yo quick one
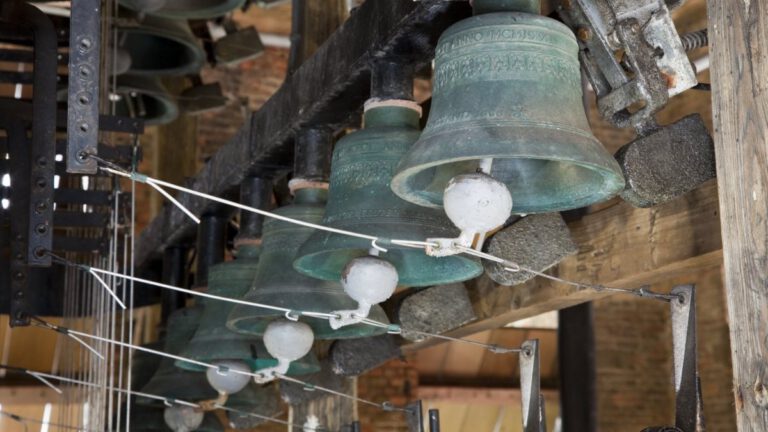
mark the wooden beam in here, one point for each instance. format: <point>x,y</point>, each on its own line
<point>324,91</point>
<point>476,395</point>
<point>738,32</point>
<point>619,246</point>
<point>31,395</point>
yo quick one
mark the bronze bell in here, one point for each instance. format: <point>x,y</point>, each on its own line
<point>360,200</point>
<point>213,341</point>
<point>254,399</point>
<point>145,98</point>
<point>161,47</point>
<point>278,284</point>
<point>507,90</point>
<point>170,381</point>
<point>183,9</point>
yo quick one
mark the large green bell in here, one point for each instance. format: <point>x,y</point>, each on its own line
<point>213,341</point>
<point>170,381</point>
<point>254,399</point>
<point>507,87</point>
<point>145,98</point>
<point>161,46</point>
<point>278,284</point>
<point>360,200</point>
<point>183,9</point>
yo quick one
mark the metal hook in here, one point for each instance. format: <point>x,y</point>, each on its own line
<point>374,245</point>
<point>292,316</point>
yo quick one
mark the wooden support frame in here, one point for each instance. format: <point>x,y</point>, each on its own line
<point>324,91</point>
<point>738,32</point>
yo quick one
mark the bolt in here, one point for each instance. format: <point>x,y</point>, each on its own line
<point>41,207</point>
<point>19,237</point>
<point>42,161</point>
<point>19,275</point>
<point>584,34</point>
<point>19,256</point>
<point>41,229</point>
<point>41,183</point>
<point>19,294</point>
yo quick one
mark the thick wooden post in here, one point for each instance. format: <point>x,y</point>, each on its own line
<point>738,32</point>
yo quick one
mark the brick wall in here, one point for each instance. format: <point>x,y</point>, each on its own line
<point>395,382</point>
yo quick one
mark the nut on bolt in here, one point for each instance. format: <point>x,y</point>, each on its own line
<point>584,34</point>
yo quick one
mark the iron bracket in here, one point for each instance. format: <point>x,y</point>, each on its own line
<point>688,401</point>
<point>83,93</point>
<point>653,65</point>
<point>530,387</point>
<point>414,417</point>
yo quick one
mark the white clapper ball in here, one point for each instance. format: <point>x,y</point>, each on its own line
<point>369,280</point>
<point>228,382</point>
<point>477,203</point>
<point>288,340</point>
<point>182,418</point>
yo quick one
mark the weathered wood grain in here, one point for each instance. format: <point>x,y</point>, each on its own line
<point>738,32</point>
<point>619,246</point>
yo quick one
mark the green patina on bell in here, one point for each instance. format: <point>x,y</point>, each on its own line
<point>144,365</point>
<point>507,87</point>
<point>213,341</point>
<point>278,284</point>
<point>161,46</point>
<point>146,98</point>
<point>170,381</point>
<point>254,399</point>
<point>360,200</point>
<point>184,9</point>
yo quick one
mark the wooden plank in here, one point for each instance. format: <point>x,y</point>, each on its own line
<point>476,395</point>
<point>324,91</point>
<point>619,246</point>
<point>738,33</point>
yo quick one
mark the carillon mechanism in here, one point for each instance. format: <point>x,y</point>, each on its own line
<point>360,199</point>
<point>402,218</point>
<point>288,288</point>
<point>500,77</point>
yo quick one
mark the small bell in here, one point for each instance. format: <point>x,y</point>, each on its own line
<point>145,98</point>
<point>507,96</point>
<point>277,284</point>
<point>263,401</point>
<point>170,381</point>
<point>161,47</point>
<point>213,342</point>
<point>360,200</point>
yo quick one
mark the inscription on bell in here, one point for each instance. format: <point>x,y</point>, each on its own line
<point>508,66</point>
<point>499,34</point>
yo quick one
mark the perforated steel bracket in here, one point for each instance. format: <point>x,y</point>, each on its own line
<point>83,93</point>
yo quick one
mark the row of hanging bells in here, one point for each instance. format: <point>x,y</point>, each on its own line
<point>507,88</point>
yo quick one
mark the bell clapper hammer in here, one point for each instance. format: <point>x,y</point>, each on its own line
<point>287,341</point>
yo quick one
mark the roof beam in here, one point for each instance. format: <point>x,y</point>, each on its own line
<point>324,92</point>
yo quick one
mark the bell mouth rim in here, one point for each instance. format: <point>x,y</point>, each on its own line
<point>415,161</point>
<point>303,264</point>
<point>613,184</point>
<point>210,12</point>
<point>196,53</point>
<point>253,325</point>
<point>163,98</point>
